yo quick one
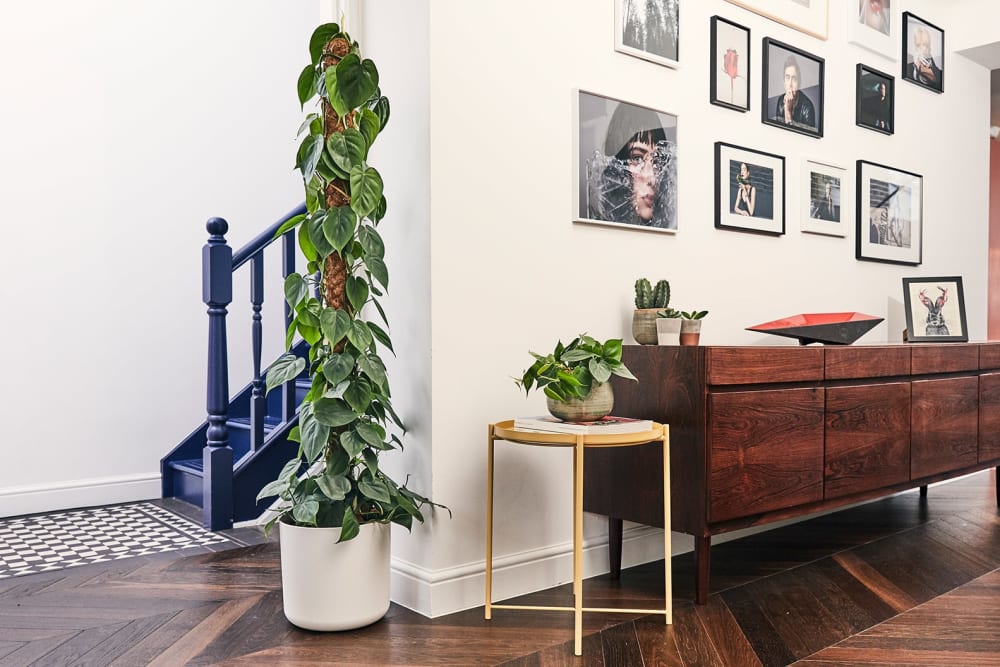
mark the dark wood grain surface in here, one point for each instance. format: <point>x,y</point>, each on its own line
<point>989,416</point>
<point>849,362</point>
<point>765,364</point>
<point>944,358</point>
<point>945,425</point>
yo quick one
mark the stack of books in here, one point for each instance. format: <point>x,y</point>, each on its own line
<point>606,425</point>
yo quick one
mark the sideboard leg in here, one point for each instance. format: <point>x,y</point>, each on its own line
<point>615,527</point>
<point>702,561</point>
<point>923,491</point>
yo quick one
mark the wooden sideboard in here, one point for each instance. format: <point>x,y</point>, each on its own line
<point>764,433</point>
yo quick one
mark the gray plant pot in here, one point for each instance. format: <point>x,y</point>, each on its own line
<point>598,403</point>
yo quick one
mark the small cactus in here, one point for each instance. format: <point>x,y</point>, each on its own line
<point>647,296</point>
<point>643,294</point>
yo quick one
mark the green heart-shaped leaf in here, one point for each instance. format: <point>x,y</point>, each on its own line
<point>366,189</point>
<point>348,148</point>
<point>357,80</point>
<point>338,226</point>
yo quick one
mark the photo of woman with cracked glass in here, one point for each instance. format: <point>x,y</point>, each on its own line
<point>627,164</point>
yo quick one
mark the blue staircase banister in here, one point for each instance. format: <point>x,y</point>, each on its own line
<point>219,263</point>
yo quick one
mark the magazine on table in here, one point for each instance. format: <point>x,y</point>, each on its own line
<point>607,425</point>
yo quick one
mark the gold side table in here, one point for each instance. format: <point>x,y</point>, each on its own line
<point>505,431</point>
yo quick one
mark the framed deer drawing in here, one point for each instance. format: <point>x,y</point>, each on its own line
<point>935,310</point>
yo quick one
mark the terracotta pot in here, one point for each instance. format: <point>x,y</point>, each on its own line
<point>598,403</point>
<point>690,332</point>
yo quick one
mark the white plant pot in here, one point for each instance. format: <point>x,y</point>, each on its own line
<point>328,586</point>
<point>668,330</point>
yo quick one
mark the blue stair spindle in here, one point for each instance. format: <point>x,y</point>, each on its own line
<point>289,399</point>
<point>217,293</point>
<point>258,409</point>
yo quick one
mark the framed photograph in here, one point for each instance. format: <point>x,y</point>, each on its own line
<point>626,164</point>
<point>875,100</point>
<point>890,214</point>
<point>923,53</point>
<point>648,29</point>
<point>730,65</point>
<point>808,16</point>
<point>792,90</point>
<point>749,190</point>
<point>870,24</point>
<point>935,310</point>
<point>824,199</point>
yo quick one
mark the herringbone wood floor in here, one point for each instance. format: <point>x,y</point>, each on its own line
<point>901,581</point>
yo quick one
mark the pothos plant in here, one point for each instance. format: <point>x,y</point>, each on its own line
<point>335,479</point>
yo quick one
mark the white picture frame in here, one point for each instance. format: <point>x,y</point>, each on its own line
<point>652,38</point>
<point>611,187</point>
<point>873,25</point>
<point>819,215</point>
<point>811,17</point>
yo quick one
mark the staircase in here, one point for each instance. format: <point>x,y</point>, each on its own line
<point>243,443</point>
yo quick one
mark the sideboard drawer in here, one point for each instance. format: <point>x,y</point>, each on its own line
<point>944,358</point>
<point>849,362</point>
<point>761,365</point>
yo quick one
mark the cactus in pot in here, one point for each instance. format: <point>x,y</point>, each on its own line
<point>649,300</point>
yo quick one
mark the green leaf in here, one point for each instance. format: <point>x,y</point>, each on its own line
<point>379,211</point>
<point>317,235</point>
<point>339,225</point>
<point>333,412</point>
<point>352,443</point>
<point>314,438</point>
<point>309,334</point>
<point>371,461</point>
<point>321,35</point>
<point>286,368</point>
<point>306,244</point>
<point>371,241</point>
<point>348,148</point>
<point>305,512</point>
<point>357,80</point>
<point>374,488</point>
<point>307,315</point>
<point>379,270</point>
<point>295,435</point>
<point>570,356</point>
<point>359,335</point>
<point>272,489</point>
<point>339,461</point>
<point>373,434</point>
<point>372,366</point>
<point>335,324</point>
<point>623,372</point>
<point>358,396</point>
<point>599,370</point>
<point>296,289</point>
<point>369,125</point>
<point>380,335</point>
<point>337,367</point>
<point>307,85</point>
<point>333,93</point>
<point>334,487</point>
<point>366,189</point>
<point>308,156</point>
<point>357,292</point>
<point>613,349</point>
<point>349,527</point>
<point>381,110</point>
<point>289,224</point>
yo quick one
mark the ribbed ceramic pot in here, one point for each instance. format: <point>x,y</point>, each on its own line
<point>328,586</point>
<point>644,325</point>
<point>598,403</point>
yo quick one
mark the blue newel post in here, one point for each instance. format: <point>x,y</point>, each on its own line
<point>217,293</point>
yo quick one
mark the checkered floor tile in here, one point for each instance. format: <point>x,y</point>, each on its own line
<point>29,545</point>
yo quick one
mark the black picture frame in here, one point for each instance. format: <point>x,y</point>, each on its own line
<point>932,77</point>
<point>730,33</point>
<point>763,210</point>
<point>936,313</point>
<point>807,114</point>
<point>890,219</point>
<point>874,110</point>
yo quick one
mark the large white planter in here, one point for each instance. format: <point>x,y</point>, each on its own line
<point>329,586</point>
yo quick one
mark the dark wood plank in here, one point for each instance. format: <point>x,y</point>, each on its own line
<point>726,635</point>
<point>657,642</point>
<point>950,358</point>
<point>989,416</point>
<point>989,356</point>
<point>766,364</point>
<point>850,362</point>
<point>944,426</point>
<point>765,451</point>
<point>867,437</point>
<point>620,646</point>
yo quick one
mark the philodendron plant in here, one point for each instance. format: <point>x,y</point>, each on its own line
<point>335,479</point>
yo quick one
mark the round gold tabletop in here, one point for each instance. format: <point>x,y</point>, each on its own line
<point>505,431</point>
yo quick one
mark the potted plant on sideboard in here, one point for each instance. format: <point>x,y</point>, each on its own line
<point>335,503</point>
<point>575,377</point>
<point>649,301</point>
<point>691,326</point>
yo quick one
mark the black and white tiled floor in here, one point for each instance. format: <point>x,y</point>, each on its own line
<point>43,543</point>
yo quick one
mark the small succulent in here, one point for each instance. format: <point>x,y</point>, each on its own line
<point>670,312</point>
<point>694,314</point>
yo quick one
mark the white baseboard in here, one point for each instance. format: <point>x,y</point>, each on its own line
<point>20,500</point>
<point>436,593</point>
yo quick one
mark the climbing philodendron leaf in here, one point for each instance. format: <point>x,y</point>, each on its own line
<point>338,226</point>
<point>357,292</point>
<point>320,37</point>
<point>357,80</point>
<point>337,367</point>
<point>335,324</point>
<point>333,412</point>
<point>366,189</point>
<point>283,370</point>
<point>381,110</point>
<point>369,125</point>
<point>333,92</point>
<point>348,148</point>
<point>295,289</point>
<point>314,437</point>
<point>307,85</point>
<point>309,153</point>
<point>334,487</point>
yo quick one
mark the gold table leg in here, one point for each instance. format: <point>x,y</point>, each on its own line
<point>667,550</point>
<point>489,525</point>
<point>578,547</point>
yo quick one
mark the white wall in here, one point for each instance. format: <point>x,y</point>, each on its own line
<point>510,272</point>
<point>125,126</point>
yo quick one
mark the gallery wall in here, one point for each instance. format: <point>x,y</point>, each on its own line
<point>510,272</point>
